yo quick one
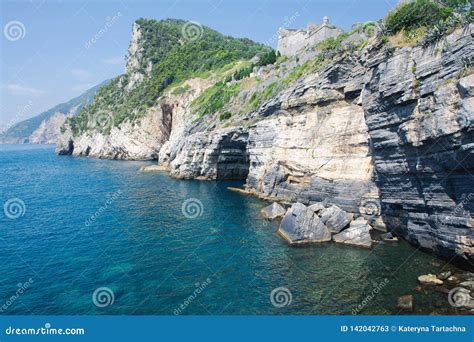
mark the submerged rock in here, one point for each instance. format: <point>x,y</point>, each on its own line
<point>444,275</point>
<point>272,211</point>
<point>405,303</point>
<point>388,237</point>
<point>153,168</point>
<point>358,234</point>
<point>300,224</point>
<point>469,284</point>
<point>335,218</point>
<point>429,279</point>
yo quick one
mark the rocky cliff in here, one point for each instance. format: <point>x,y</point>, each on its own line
<point>45,127</point>
<point>383,132</point>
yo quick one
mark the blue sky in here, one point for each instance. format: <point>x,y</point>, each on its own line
<point>50,58</point>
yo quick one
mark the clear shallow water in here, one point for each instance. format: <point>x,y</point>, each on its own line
<point>153,258</point>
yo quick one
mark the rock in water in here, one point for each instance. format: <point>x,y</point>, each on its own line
<point>300,224</point>
<point>429,279</point>
<point>335,218</point>
<point>273,211</point>
<point>358,234</point>
<point>405,303</point>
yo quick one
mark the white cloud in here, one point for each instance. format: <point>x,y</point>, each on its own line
<point>118,60</point>
<point>20,90</point>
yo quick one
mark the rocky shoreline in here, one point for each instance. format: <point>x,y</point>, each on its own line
<point>383,134</point>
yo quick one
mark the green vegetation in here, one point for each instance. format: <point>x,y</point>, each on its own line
<point>225,116</point>
<point>267,58</point>
<point>214,98</point>
<point>243,72</point>
<point>180,90</point>
<point>414,14</point>
<point>174,60</point>
<point>424,22</point>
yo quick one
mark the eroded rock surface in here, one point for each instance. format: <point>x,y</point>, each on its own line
<point>301,225</point>
<point>273,211</point>
<point>358,234</point>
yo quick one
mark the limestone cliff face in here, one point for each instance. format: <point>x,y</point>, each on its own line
<point>386,134</point>
<point>140,140</point>
<point>383,133</point>
<point>48,131</point>
<point>419,111</point>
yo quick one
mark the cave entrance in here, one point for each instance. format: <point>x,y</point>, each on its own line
<point>167,119</point>
<point>233,162</point>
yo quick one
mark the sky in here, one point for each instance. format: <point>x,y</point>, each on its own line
<point>54,50</point>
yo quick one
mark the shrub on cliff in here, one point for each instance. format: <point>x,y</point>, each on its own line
<point>413,14</point>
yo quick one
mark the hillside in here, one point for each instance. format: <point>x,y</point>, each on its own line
<point>23,131</point>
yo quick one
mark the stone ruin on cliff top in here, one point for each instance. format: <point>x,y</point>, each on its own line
<point>290,41</point>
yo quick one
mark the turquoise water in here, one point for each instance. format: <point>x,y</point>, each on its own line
<point>89,224</point>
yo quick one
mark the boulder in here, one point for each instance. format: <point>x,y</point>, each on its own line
<point>429,279</point>
<point>466,86</point>
<point>388,237</point>
<point>272,211</point>
<point>469,284</point>
<point>358,234</point>
<point>405,303</point>
<point>300,224</point>
<point>335,218</point>
<point>317,207</point>
<point>444,275</point>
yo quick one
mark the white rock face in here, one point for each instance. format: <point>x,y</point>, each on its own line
<point>49,130</point>
<point>134,56</point>
<point>139,141</point>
